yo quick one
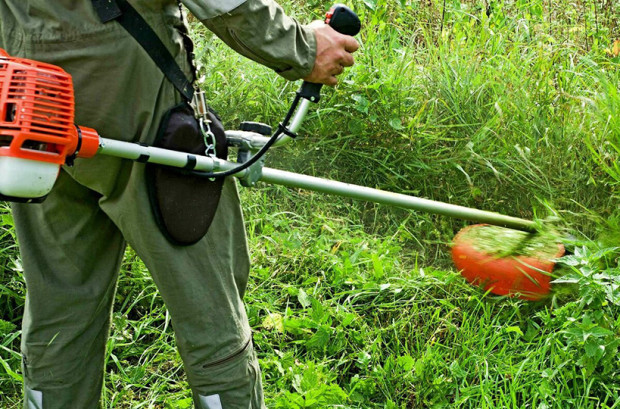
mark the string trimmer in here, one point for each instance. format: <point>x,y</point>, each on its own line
<point>38,136</point>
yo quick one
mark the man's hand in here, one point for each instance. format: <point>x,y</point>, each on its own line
<point>333,53</point>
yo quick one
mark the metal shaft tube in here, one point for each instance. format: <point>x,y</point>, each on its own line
<point>176,159</point>
<point>280,177</point>
<point>149,154</point>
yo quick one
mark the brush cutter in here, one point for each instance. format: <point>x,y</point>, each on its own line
<point>38,136</point>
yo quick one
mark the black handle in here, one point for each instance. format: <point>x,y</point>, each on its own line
<point>343,20</point>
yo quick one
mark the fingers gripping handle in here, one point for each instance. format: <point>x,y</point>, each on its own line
<point>343,20</point>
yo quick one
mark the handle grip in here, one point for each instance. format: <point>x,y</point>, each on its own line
<point>343,20</point>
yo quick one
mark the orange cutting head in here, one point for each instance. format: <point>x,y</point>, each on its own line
<point>526,275</point>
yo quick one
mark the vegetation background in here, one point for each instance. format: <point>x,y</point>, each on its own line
<point>511,106</point>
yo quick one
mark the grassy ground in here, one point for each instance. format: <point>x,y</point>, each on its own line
<point>511,107</point>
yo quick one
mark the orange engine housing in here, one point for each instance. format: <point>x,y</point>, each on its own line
<point>36,111</point>
<point>37,129</point>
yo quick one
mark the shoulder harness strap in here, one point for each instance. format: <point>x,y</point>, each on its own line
<point>134,23</point>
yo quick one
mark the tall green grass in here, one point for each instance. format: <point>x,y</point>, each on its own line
<point>494,113</point>
<point>512,107</point>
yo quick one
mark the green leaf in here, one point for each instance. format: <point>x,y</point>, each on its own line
<point>536,10</point>
<point>598,332</point>
<point>320,338</point>
<point>318,313</point>
<point>362,103</point>
<point>364,358</point>
<point>186,403</point>
<point>348,319</point>
<point>594,349</point>
<point>9,371</point>
<point>304,299</point>
<point>377,266</point>
<point>514,329</point>
<point>571,260</point>
<point>406,362</point>
<point>457,371</point>
<point>371,4</point>
<point>6,327</point>
<point>396,124</point>
<point>7,219</point>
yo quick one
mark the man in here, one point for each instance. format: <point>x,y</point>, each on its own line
<point>72,244</point>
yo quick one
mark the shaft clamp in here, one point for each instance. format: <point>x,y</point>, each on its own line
<point>254,172</point>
